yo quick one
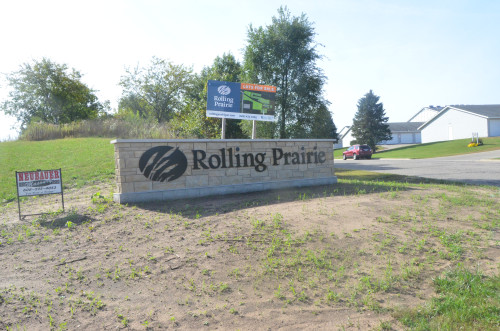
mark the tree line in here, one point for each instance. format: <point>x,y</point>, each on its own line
<point>283,54</point>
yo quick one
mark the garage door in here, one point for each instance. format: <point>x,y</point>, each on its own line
<point>494,128</point>
<point>407,138</point>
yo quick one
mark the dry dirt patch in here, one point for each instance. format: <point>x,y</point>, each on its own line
<point>338,257</point>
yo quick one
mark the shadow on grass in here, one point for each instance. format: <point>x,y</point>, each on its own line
<point>350,183</point>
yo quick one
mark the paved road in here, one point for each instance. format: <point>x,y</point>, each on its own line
<point>476,168</point>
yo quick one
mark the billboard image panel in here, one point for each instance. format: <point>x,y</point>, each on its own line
<point>223,97</point>
<point>241,101</point>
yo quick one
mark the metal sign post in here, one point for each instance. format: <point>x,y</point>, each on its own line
<point>223,133</point>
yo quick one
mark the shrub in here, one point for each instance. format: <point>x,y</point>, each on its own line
<point>128,127</point>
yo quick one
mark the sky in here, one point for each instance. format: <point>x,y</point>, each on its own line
<point>412,54</point>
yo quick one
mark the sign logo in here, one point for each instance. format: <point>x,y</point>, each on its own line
<point>224,90</point>
<point>163,163</point>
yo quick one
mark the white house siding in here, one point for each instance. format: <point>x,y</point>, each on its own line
<point>403,138</point>
<point>426,114</point>
<point>341,141</point>
<point>494,127</point>
<point>454,124</point>
<point>347,139</point>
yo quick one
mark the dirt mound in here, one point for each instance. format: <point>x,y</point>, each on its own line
<point>335,257</point>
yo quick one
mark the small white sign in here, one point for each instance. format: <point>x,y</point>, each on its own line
<point>39,182</point>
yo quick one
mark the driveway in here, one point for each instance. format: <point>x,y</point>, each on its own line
<point>476,168</point>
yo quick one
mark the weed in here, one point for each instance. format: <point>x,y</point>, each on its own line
<point>331,296</point>
<point>123,320</point>
<point>386,325</point>
<point>467,300</point>
<point>235,273</point>
<point>278,293</point>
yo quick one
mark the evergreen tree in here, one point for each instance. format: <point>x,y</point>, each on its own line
<point>369,123</point>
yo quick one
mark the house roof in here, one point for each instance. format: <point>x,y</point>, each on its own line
<point>485,111</point>
<point>345,130</point>
<point>433,109</point>
<point>489,111</point>
<point>404,126</point>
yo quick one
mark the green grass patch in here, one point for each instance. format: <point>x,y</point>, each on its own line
<point>436,149</point>
<point>82,160</point>
<point>372,178</point>
<point>467,301</point>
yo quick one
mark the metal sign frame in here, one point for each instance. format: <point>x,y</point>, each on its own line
<point>35,194</point>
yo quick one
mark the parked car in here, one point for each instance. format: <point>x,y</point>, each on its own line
<point>357,152</point>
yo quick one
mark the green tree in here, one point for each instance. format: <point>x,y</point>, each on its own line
<point>157,91</point>
<point>369,123</point>
<point>49,92</point>
<point>322,124</point>
<point>284,54</point>
<point>228,69</point>
<point>193,119</point>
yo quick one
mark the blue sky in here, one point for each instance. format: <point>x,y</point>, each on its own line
<point>410,53</point>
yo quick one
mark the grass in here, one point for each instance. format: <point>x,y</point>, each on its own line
<point>82,160</point>
<point>444,148</point>
<point>467,300</point>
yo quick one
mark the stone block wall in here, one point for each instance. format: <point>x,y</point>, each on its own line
<point>155,169</point>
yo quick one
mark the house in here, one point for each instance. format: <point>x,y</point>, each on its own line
<point>426,114</point>
<point>345,138</point>
<point>403,133</point>
<point>408,132</point>
<point>436,123</point>
<point>462,121</point>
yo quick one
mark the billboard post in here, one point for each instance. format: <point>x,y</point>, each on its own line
<point>223,131</point>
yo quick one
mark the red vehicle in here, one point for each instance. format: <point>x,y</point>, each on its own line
<point>358,152</point>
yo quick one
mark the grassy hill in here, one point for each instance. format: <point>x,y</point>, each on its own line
<point>82,160</point>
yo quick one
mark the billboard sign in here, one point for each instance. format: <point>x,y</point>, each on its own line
<point>240,101</point>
